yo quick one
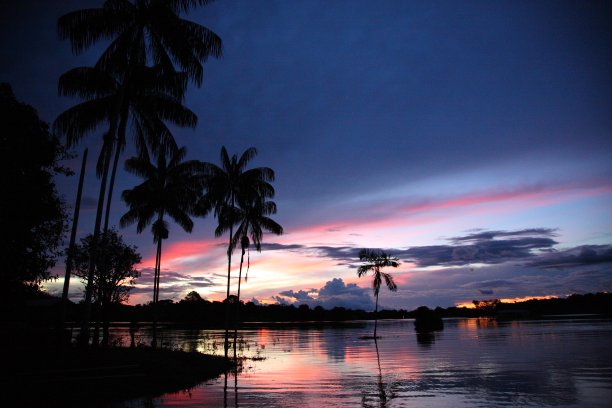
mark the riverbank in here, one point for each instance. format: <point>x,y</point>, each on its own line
<point>71,376</point>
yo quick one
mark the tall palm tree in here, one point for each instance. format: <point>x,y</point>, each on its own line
<point>251,218</point>
<point>374,261</point>
<point>147,95</point>
<point>171,187</point>
<point>143,31</point>
<point>226,185</point>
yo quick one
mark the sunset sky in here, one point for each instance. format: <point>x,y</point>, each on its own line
<point>472,140</point>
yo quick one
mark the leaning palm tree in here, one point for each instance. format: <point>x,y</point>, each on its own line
<point>251,218</point>
<point>143,31</point>
<point>171,187</point>
<point>375,260</point>
<point>226,185</point>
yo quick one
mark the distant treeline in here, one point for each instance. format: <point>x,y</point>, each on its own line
<point>196,311</point>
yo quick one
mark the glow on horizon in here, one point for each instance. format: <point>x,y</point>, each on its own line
<point>300,265</point>
<point>470,305</point>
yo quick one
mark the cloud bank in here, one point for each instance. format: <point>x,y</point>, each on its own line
<point>335,293</point>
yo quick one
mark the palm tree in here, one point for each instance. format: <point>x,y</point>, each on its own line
<point>140,32</point>
<point>147,95</point>
<point>171,187</point>
<point>375,260</point>
<point>143,31</point>
<point>251,219</point>
<point>226,185</point>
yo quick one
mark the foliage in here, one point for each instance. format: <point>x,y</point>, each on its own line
<point>192,296</point>
<point>374,261</point>
<point>143,32</point>
<point>33,216</point>
<point>115,273</point>
<point>226,188</point>
<point>489,305</point>
<point>171,187</point>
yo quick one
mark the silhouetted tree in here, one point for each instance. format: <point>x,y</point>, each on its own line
<point>140,32</point>
<point>192,296</point>
<point>148,96</point>
<point>251,217</point>
<point>115,273</point>
<point>375,260</point>
<point>171,187</point>
<point>33,217</point>
<point>225,186</point>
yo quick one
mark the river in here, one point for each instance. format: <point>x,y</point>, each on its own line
<point>471,363</point>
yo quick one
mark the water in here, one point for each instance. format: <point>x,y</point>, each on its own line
<point>472,363</point>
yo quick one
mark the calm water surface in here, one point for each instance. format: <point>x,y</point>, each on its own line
<point>472,363</point>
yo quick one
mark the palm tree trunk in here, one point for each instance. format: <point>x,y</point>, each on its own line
<point>118,149</point>
<point>238,303</point>
<point>84,334</point>
<point>75,223</point>
<point>375,317</point>
<point>227,312</point>
<point>156,290</point>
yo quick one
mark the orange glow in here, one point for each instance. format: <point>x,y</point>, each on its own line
<point>470,305</point>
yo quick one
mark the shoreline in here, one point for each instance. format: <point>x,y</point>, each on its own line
<point>72,376</point>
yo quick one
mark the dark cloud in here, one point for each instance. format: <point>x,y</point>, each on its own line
<point>300,295</point>
<point>578,256</point>
<point>173,285</point>
<point>270,246</point>
<point>489,247</point>
<point>485,291</point>
<point>490,235</point>
<point>497,283</point>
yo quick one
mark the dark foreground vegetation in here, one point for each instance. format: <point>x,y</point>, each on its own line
<point>68,376</point>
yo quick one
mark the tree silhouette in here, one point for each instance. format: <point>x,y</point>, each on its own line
<point>171,187</point>
<point>141,32</point>
<point>33,216</point>
<point>149,97</point>
<point>226,186</point>
<point>375,260</point>
<point>251,219</point>
<point>115,273</point>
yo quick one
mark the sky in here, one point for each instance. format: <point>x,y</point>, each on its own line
<point>472,140</point>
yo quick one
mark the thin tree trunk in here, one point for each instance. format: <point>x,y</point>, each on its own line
<point>84,334</point>
<point>75,223</point>
<point>155,290</point>
<point>158,271</point>
<point>95,341</point>
<point>227,312</point>
<point>118,149</point>
<point>238,304</point>
<point>375,317</point>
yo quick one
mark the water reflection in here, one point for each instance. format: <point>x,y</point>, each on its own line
<point>426,339</point>
<point>472,363</point>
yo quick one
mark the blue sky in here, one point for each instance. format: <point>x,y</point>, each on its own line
<point>470,139</point>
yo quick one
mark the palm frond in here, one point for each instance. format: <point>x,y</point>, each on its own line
<point>389,282</point>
